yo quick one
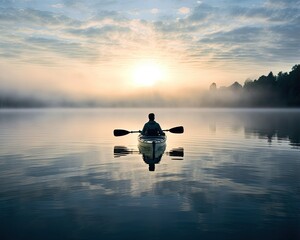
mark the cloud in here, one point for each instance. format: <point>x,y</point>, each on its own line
<point>80,3</point>
<point>265,13</point>
<point>251,33</point>
<point>59,47</point>
<point>184,10</point>
<point>154,10</point>
<point>109,15</point>
<point>203,12</point>
<point>35,17</point>
<point>283,3</point>
<point>28,34</point>
<point>59,5</point>
<point>237,30</point>
<point>93,6</point>
<point>6,3</point>
<point>238,35</point>
<point>287,41</point>
<point>178,27</point>
<point>99,31</point>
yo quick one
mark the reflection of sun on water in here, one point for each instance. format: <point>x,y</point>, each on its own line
<point>147,74</point>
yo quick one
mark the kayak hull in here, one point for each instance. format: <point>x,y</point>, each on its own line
<point>152,147</point>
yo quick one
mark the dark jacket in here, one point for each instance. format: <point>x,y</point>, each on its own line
<point>152,128</point>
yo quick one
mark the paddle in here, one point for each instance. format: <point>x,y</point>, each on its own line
<point>175,130</point>
<point>122,132</point>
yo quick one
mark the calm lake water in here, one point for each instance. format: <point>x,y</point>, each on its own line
<point>233,174</point>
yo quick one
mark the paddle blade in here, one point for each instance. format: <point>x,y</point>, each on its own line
<point>177,152</point>
<point>177,129</point>
<point>120,132</point>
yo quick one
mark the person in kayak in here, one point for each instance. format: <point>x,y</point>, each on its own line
<point>152,128</point>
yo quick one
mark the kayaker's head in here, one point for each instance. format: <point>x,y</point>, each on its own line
<point>151,116</point>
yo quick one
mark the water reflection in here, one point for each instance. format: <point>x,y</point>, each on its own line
<point>150,157</point>
<point>176,153</point>
<point>64,176</point>
<point>283,125</point>
<point>120,151</point>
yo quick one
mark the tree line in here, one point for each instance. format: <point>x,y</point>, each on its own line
<point>282,90</point>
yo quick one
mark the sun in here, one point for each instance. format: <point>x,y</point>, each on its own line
<point>147,74</point>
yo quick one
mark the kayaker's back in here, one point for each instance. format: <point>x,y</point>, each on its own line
<point>152,128</point>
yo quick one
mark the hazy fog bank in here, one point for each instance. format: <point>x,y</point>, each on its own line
<point>282,90</point>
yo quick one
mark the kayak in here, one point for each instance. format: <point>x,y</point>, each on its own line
<point>152,147</point>
<point>158,140</point>
<point>152,142</point>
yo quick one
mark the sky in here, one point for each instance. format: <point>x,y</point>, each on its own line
<point>115,49</point>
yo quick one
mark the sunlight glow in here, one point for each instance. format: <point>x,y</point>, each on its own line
<point>147,74</point>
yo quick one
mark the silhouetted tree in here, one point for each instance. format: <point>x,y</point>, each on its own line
<point>236,86</point>
<point>294,93</point>
<point>213,87</point>
<point>267,91</point>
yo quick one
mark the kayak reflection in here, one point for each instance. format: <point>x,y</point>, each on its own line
<point>152,149</point>
<point>150,155</point>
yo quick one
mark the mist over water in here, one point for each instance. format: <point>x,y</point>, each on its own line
<point>137,97</point>
<point>236,177</point>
